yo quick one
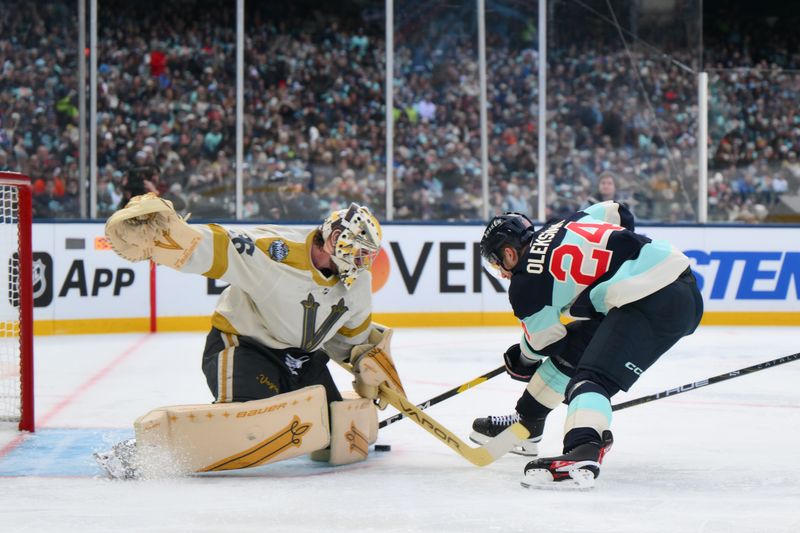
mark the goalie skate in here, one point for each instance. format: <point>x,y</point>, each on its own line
<point>485,429</point>
<point>576,469</point>
<point>120,461</point>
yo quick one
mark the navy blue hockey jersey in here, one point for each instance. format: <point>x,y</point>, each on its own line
<point>583,267</point>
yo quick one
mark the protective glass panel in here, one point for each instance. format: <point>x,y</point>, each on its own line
<point>166,104</point>
<point>512,63</point>
<point>314,137</point>
<point>622,106</point>
<point>754,132</point>
<point>437,128</point>
<point>39,102</point>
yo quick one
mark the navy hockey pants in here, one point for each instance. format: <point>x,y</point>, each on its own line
<point>239,369</point>
<point>615,350</point>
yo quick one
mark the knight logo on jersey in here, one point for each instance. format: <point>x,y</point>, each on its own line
<point>278,250</point>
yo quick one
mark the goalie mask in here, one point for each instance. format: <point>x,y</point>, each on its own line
<point>358,243</point>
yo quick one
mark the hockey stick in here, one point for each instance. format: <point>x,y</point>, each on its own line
<point>445,395</point>
<point>480,456</point>
<point>704,382</point>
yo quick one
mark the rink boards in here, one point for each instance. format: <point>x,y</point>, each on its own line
<point>426,275</point>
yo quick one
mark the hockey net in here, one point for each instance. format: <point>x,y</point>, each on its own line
<point>16,302</point>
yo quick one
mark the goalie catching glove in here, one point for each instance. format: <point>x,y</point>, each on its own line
<point>373,365</point>
<point>149,228</point>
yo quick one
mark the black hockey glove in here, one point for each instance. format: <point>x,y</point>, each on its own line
<point>518,367</point>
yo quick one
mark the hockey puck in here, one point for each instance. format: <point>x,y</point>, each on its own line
<point>383,447</point>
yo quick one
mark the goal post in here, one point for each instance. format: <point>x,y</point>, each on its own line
<point>16,301</point>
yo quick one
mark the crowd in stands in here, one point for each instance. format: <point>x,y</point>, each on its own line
<point>314,127</point>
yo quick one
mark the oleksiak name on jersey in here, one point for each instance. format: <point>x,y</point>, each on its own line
<point>582,267</point>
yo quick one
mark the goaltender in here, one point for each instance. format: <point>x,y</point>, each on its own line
<point>296,298</point>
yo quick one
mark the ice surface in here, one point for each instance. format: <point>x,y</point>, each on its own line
<point>719,459</point>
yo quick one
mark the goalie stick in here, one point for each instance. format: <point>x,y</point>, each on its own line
<point>445,395</point>
<point>480,456</point>
<point>705,382</point>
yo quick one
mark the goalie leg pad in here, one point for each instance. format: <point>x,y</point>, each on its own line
<point>354,426</point>
<point>208,438</point>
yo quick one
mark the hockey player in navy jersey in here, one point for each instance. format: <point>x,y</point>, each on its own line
<point>631,299</point>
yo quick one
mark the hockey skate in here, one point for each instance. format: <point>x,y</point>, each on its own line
<point>576,469</point>
<point>485,429</point>
<point>120,461</point>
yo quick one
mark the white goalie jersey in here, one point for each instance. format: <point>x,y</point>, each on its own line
<point>276,295</point>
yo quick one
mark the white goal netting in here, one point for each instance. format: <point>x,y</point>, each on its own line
<point>10,352</point>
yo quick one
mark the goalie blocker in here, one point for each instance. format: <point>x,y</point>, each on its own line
<point>372,365</point>
<point>210,438</point>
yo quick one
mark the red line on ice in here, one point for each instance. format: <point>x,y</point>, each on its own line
<point>103,372</point>
<point>86,385</point>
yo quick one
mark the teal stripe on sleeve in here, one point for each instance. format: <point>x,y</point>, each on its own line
<point>595,211</point>
<point>542,320</point>
<point>650,255</point>
<point>603,212</point>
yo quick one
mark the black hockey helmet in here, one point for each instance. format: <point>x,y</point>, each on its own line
<point>509,229</point>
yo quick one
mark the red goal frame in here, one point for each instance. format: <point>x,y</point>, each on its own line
<point>25,251</point>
